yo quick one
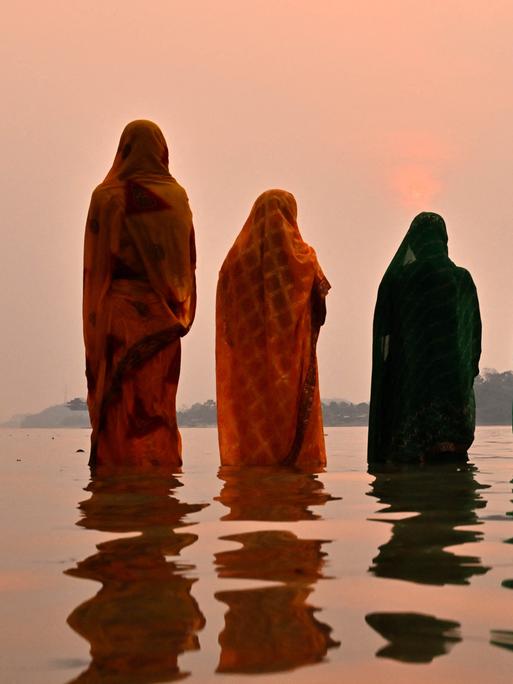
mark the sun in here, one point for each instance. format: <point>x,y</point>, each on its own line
<point>415,185</point>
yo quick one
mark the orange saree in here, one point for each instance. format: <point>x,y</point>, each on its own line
<point>139,300</point>
<point>270,306</point>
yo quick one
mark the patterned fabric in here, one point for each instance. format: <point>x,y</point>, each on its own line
<point>270,306</point>
<point>426,349</point>
<point>139,299</point>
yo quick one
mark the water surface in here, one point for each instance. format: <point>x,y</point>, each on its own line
<point>223,574</point>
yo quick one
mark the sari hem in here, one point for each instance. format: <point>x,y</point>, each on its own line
<point>134,359</point>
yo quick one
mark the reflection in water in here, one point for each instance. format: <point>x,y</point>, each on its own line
<point>441,497</point>
<point>144,616</point>
<point>271,629</point>
<point>273,555</point>
<point>414,638</point>
<point>269,493</point>
<point>501,637</point>
<point>508,583</point>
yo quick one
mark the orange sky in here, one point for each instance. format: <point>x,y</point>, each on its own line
<point>368,112</point>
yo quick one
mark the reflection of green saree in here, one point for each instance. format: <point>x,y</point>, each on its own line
<point>426,349</point>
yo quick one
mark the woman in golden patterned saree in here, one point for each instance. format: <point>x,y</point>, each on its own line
<point>270,306</point>
<point>139,300</point>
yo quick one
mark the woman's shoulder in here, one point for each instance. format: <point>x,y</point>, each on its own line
<point>175,188</point>
<point>465,280</point>
<point>106,191</point>
<point>167,188</point>
<point>463,274</point>
<point>107,197</point>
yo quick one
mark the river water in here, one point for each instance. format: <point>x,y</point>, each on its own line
<point>221,575</point>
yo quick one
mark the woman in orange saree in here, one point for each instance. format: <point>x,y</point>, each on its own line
<point>270,306</point>
<point>139,300</point>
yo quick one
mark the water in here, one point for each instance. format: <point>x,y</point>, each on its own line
<point>216,576</point>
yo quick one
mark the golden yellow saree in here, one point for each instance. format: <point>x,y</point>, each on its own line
<point>270,306</point>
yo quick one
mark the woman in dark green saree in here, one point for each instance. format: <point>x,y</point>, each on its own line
<point>426,349</point>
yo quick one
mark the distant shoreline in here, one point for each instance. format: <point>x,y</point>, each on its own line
<point>212,427</point>
<point>493,392</point>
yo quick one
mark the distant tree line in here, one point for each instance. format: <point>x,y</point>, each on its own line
<point>494,393</point>
<point>334,413</point>
<point>198,415</point>
<point>344,413</point>
<point>493,390</point>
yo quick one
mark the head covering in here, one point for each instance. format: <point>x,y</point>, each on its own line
<point>426,239</point>
<point>269,269</point>
<point>142,151</point>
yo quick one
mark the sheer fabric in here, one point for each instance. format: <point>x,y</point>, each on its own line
<point>270,306</point>
<point>426,349</point>
<point>139,300</point>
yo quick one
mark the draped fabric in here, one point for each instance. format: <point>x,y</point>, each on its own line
<point>426,349</point>
<point>139,300</point>
<point>270,306</point>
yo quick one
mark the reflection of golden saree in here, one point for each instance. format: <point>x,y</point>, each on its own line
<point>270,306</point>
<point>271,493</point>
<point>139,299</point>
<point>272,629</point>
<point>144,616</point>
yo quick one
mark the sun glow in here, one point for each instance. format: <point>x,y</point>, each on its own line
<point>416,185</point>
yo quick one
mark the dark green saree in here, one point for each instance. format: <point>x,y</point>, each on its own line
<point>426,349</point>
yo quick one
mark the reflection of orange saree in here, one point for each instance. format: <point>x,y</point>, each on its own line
<point>277,619</point>
<point>139,299</point>
<point>270,305</point>
<point>144,616</point>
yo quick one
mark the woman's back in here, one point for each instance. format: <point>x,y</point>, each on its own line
<point>139,300</point>
<point>423,374</point>
<point>265,346</point>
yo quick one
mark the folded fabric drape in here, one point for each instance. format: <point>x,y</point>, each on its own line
<point>270,306</point>
<point>139,300</point>
<point>426,350</point>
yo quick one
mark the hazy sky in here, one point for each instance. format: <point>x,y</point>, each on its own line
<point>368,112</point>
